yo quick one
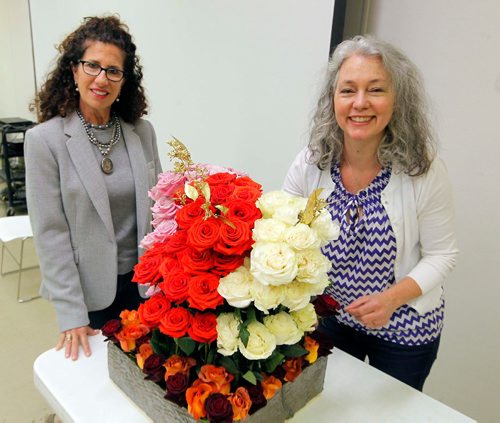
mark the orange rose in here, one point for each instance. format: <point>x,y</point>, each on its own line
<point>145,351</point>
<point>196,396</point>
<point>130,318</point>
<point>218,376</point>
<point>241,403</point>
<point>177,364</point>
<point>312,346</point>
<point>129,334</point>
<point>293,368</point>
<point>270,386</point>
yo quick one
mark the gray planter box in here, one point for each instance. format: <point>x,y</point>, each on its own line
<point>150,397</point>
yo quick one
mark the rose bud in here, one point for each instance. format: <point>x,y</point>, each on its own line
<point>219,409</point>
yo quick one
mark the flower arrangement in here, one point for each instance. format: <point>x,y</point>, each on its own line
<point>231,274</point>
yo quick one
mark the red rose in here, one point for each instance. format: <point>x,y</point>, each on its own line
<point>203,233</point>
<point>176,243</point>
<point>246,181</point>
<point>220,193</point>
<point>243,210</point>
<point>186,215</point>
<point>194,261</point>
<point>220,178</point>
<point>218,408</point>
<point>246,193</point>
<point>148,268</point>
<point>203,327</point>
<point>175,322</point>
<point>152,310</point>
<point>203,292</point>
<point>175,285</point>
<point>235,238</point>
<point>169,264</point>
<point>225,264</point>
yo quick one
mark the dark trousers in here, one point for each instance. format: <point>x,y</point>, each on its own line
<point>127,298</point>
<point>409,364</point>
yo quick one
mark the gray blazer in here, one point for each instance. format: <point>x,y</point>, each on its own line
<point>70,213</point>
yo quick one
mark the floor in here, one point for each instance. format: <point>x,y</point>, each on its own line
<point>27,329</point>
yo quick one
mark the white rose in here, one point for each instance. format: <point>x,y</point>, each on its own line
<point>301,237</point>
<point>325,227</point>
<point>268,230</point>
<point>235,287</point>
<point>270,201</point>
<point>305,318</point>
<point>312,266</point>
<point>273,263</point>
<point>284,328</point>
<point>289,212</point>
<point>297,295</point>
<point>228,329</point>
<point>266,297</point>
<point>261,342</point>
<point>319,287</point>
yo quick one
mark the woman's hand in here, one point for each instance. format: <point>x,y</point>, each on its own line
<point>375,310</point>
<point>73,338</point>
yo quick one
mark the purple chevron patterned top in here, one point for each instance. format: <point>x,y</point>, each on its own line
<point>363,262</point>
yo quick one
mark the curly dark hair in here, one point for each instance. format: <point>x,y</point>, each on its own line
<point>58,96</point>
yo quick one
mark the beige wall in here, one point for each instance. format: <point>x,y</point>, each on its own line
<point>17,79</point>
<point>455,43</point>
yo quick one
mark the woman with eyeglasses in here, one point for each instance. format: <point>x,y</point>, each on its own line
<point>371,149</point>
<point>89,165</point>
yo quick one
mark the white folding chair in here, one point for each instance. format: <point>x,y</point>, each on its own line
<point>16,228</point>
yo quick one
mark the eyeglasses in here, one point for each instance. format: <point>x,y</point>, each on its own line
<point>93,69</point>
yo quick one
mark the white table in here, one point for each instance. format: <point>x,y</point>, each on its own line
<point>81,391</point>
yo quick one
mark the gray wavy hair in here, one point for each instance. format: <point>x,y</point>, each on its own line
<point>408,144</point>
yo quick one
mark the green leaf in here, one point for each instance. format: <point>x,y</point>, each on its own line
<point>186,344</point>
<point>250,377</point>
<point>258,376</point>
<point>211,355</point>
<point>293,351</point>
<point>274,361</point>
<point>250,315</point>
<point>229,364</point>
<point>160,343</point>
<point>244,334</point>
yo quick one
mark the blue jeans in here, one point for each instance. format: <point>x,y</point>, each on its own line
<point>409,364</point>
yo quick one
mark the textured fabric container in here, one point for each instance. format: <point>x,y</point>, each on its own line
<point>150,397</point>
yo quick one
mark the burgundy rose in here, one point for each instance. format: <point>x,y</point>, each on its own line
<point>176,388</point>
<point>325,342</point>
<point>256,393</point>
<point>325,306</point>
<point>153,367</point>
<point>219,409</point>
<point>110,328</point>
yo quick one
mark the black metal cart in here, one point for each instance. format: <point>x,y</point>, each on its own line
<point>12,162</point>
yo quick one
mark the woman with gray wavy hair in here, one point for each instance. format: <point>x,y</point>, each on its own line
<point>372,151</point>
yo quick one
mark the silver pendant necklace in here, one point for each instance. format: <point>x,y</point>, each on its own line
<point>104,148</point>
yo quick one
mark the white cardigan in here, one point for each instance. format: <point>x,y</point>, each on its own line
<point>420,210</point>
